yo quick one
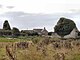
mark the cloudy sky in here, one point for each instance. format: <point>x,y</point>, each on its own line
<point>29,14</point>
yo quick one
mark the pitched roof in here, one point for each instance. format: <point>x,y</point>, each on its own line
<point>28,31</point>
<point>37,30</point>
<point>44,30</point>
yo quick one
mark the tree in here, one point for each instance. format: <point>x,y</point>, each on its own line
<point>16,32</point>
<point>64,26</point>
<point>6,25</point>
<point>50,33</point>
<point>33,34</point>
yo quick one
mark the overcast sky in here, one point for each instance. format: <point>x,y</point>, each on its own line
<point>29,14</point>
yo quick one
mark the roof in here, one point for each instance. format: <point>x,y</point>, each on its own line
<point>27,31</point>
<point>44,30</point>
<point>37,30</point>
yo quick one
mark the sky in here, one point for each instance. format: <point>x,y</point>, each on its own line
<point>29,14</point>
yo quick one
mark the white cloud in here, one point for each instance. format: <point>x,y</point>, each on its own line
<point>37,8</point>
<point>41,6</point>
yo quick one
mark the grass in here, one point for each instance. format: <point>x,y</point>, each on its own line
<point>31,53</point>
<point>19,39</point>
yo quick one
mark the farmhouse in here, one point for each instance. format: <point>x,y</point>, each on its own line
<point>41,31</point>
<point>37,31</point>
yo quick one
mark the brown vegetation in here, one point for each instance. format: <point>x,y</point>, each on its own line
<point>45,49</point>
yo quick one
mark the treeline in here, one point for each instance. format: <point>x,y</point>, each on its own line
<point>15,32</point>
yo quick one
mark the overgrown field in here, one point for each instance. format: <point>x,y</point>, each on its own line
<point>39,48</point>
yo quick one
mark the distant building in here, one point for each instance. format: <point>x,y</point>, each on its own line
<point>7,31</point>
<point>26,32</point>
<point>39,31</point>
<point>44,31</point>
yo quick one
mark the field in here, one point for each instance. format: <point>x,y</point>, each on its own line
<point>39,48</point>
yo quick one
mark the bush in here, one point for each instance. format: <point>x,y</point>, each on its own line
<point>33,34</point>
<point>16,32</point>
<point>6,25</point>
<point>50,33</point>
<point>64,27</point>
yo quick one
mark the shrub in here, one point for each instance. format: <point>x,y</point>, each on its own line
<point>6,25</point>
<point>64,27</point>
<point>16,32</point>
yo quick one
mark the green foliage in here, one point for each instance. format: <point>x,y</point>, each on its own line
<point>79,34</point>
<point>76,57</point>
<point>64,27</point>
<point>6,25</point>
<point>33,34</point>
<point>16,32</point>
<point>50,33</point>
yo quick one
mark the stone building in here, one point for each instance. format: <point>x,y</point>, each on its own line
<point>39,31</point>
